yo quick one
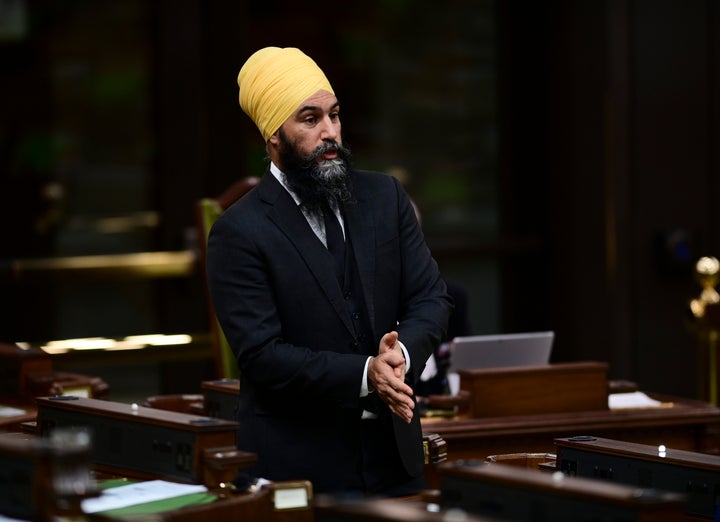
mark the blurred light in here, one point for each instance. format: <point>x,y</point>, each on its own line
<point>135,342</point>
<point>160,339</point>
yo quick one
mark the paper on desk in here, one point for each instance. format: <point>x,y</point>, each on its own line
<point>9,411</point>
<point>632,400</point>
<point>138,493</point>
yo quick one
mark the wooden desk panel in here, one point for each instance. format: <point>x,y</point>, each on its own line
<point>529,390</point>
<point>42,479</point>
<point>221,397</point>
<point>696,475</point>
<point>520,494</point>
<point>330,509</point>
<point>687,425</point>
<point>146,442</point>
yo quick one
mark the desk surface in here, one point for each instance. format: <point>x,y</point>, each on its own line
<point>687,425</point>
<point>13,413</point>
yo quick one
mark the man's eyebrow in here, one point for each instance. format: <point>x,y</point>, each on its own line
<point>314,108</point>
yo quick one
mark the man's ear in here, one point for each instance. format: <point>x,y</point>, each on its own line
<point>274,139</point>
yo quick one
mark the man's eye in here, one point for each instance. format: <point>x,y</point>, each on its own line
<point>310,120</point>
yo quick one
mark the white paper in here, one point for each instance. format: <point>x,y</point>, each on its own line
<point>9,411</point>
<point>619,401</point>
<point>139,493</point>
<point>291,498</point>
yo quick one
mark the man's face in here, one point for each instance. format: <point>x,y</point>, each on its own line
<point>315,123</point>
<point>312,157</point>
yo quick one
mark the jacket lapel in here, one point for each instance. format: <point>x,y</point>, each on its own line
<point>284,212</point>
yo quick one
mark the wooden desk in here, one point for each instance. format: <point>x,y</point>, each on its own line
<point>44,479</point>
<point>133,440</point>
<point>329,509</point>
<point>688,425</point>
<point>26,373</point>
<point>221,398</point>
<point>527,390</point>
<point>521,494</point>
<point>693,474</point>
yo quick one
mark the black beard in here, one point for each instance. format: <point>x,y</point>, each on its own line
<point>317,184</point>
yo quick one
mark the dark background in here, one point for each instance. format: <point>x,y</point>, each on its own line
<point>564,155</point>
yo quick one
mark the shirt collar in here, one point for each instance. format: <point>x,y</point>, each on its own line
<point>280,176</point>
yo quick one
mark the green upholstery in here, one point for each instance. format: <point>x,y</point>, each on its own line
<point>225,366</point>
<point>208,210</point>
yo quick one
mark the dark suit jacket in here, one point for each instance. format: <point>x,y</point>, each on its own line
<point>279,303</point>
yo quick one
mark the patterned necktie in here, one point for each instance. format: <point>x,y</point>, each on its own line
<point>335,242</point>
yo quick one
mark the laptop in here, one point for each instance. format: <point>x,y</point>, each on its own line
<point>503,350</point>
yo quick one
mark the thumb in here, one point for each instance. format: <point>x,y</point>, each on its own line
<point>388,341</point>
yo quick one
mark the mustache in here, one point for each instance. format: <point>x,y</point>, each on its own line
<point>328,146</point>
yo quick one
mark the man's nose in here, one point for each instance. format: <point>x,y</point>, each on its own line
<point>329,130</point>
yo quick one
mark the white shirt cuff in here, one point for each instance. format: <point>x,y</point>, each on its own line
<point>364,390</point>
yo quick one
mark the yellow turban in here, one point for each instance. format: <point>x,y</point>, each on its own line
<point>274,82</point>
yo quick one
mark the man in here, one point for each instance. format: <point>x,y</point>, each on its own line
<point>327,294</point>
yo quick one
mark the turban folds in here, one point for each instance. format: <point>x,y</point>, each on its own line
<point>274,82</point>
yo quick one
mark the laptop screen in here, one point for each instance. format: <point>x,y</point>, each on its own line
<point>503,350</point>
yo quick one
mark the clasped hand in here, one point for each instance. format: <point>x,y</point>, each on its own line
<point>386,377</point>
